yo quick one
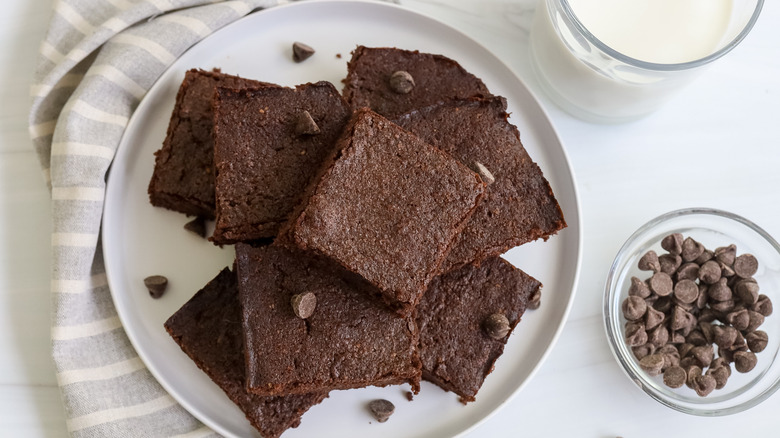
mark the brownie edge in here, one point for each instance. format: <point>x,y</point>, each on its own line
<point>456,352</point>
<point>208,330</point>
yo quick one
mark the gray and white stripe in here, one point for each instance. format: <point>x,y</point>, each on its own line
<point>96,63</point>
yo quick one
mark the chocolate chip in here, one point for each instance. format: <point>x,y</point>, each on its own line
<point>707,315</point>
<point>721,362</point>
<point>704,385</point>
<point>739,319</point>
<point>653,318</point>
<point>763,305</point>
<point>669,263</point>
<point>726,270</point>
<point>681,318</point>
<point>535,300</point>
<point>197,226</point>
<point>691,249</point>
<point>745,265</point>
<point>305,124</point>
<point>723,306</point>
<point>703,354</point>
<point>757,341</point>
<point>663,304</point>
<point>674,377</point>
<point>661,283</point>
<point>634,308</point>
<point>496,325</point>
<point>673,243</point>
<point>684,349</point>
<point>303,304</point>
<point>401,82</point>
<point>756,319</point>
<point>686,291</point>
<point>720,374</point>
<point>726,254</point>
<point>676,338</point>
<point>638,288</point>
<point>301,51</point>
<point>691,373</point>
<point>483,173</point>
<point>704,296</point>
<point>747,290</point>
<point>636,336</point>
<point>641,351</point>
<point>156,284</point>
<point>649,262</point>
<point>688,271</point>
<point>704,257</point>
<point>744,361</point>
<point>696,337</point>
<point>709,272</point>
<point>707,330</point>
<point>720,291</point>
<point>659,336</point>
<point>724,336</point>
<point>652,364</point>
<point>381,409</point>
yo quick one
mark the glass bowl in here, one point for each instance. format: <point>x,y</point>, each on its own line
<point>712,228</point>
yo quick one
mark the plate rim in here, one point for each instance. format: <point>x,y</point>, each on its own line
<point>578,226</point>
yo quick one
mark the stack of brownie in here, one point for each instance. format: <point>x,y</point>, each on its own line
<point>368,229</point>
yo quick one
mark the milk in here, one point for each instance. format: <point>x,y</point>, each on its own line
<point>597,86</point>
<point>658,31</point>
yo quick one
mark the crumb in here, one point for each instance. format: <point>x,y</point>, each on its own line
<point>338,55</point>
<point>409,395</point>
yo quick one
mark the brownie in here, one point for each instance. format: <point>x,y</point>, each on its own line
<point>456,352</point>
<point>435,77</point>
<point>263,163</point>
<point>387,207</point>
<point>520,205</point>
<point>350,340</point>
<point>183,178</point>
<point>208,330</point>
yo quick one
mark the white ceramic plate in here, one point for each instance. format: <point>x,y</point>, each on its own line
<point>140,240</point>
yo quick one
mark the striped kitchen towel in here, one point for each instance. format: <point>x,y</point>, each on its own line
<point>97,61</point>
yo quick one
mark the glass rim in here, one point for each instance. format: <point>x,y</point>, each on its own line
<point>680,66</point>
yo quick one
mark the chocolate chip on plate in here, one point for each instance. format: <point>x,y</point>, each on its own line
<point>401,82</point>
<point>156,284</point>
<point>674,377</point>
<point>301,51</point>
<point>197,226</point>
<point>303,304</point>
<point>381,409</point>
<point>673,243</point>
<point>496,326</point>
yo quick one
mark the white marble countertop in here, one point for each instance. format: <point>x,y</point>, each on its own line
<point>717,144</point>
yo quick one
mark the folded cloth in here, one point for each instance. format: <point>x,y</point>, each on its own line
<point>97,61</point>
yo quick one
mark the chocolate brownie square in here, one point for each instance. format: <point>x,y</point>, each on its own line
<point>456,350</point>
<point>435,77</point>
<point>183,178</point>
<point>265,153</point>
<point>387,207</point>
<point>519,206</point>
<point>208,330</point>
<point>349,341</point>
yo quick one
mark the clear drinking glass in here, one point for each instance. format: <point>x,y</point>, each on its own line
<point>595,82</point>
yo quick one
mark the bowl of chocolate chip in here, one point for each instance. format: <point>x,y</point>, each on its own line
<point>688,311</point>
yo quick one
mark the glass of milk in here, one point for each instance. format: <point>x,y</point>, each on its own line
<point>618,60</point>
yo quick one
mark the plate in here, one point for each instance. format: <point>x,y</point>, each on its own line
<point>140,240</point>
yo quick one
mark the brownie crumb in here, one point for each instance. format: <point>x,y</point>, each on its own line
<point>301,51</point>
<point>409,395</point>
<point>156,284</point>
